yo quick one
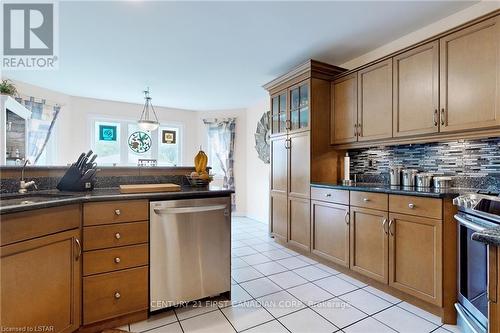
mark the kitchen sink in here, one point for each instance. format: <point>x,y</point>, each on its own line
<point>30,198</point>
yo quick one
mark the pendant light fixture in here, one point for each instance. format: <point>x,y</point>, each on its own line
<point>146,123</point>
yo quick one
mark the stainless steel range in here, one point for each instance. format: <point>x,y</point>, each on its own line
<point>476,212</point>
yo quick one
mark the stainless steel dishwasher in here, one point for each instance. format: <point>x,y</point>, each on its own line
<point>190,250</point>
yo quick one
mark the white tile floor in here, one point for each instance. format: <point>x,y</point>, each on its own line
<point>275,289</point>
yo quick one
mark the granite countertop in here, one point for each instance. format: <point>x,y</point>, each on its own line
<point>384,188</point>
<point>11,203</point>
<point>489,236</point>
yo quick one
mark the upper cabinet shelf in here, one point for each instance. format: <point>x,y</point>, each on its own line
<point>446,88</point>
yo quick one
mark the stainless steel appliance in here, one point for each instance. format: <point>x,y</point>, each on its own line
<point>395,175</point>
<point>409,177</point>
<point>424,180</point>
<point>190,250</point>
<point>476,212</point>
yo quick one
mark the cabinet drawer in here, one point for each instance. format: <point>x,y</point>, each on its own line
<point>114,294</point>
<point>425,207</point>
<point>102,261</point>
<point>96,213</point>
<point>369,200</point>
<point>330,195</point>
<point>105,236</point>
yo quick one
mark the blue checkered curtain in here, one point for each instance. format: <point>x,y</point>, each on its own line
<point>40,126</point>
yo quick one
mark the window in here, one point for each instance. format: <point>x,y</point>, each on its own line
<point>110,141</point>
<point>107,142</point>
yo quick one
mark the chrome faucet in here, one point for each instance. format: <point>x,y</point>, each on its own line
<point>23,185</point>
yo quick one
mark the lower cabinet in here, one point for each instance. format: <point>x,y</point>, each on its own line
<point>279,216</point>
<point>415,259</point>
<point>300,225</point>
<point>369,243</point>
<point>330,231</point>
<point>40,283</point>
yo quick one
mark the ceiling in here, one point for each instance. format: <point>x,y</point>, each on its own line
<point>214,55</point>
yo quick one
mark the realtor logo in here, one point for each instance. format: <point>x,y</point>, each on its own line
<point>29,37</point>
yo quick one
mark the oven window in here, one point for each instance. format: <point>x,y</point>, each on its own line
<point>473,270</point>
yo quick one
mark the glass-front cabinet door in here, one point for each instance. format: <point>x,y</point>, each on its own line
<point>299,107</point>
<point>278,113</point>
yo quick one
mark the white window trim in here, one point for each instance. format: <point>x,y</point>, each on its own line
<point>124,122</point>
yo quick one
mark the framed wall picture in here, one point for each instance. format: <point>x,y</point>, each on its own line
<point>107,133</point>
<point>169,137</point>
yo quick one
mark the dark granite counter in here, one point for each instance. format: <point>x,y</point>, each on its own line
<point>489,236</point>
<point>384,188</point>
<point>10,203</point>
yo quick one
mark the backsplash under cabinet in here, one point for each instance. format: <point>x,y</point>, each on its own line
<point>474,163</point>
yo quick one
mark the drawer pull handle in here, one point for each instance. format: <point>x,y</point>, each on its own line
<point>79,253</point>
<point>411,206</point>
<point>366,199</point>
<point>118,212</point>
<point>384,224</point>
<point>346,217</point>
<point>118,295</point>
<point>118,236</point>
<point>117,260</point>
<point>391,222</point>
<point>328,195</point>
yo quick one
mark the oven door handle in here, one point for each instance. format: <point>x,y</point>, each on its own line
<point>469,224</point>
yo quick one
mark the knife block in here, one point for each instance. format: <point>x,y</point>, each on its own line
<point>72,181</point>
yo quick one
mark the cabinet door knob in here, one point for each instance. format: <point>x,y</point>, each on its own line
<point>117,260</point>
<point>117,212</point>
<point>118,236</point>
<point>328,195</point>
<point>411,205</point>
<point>366,199</point>
<point>118,295</point>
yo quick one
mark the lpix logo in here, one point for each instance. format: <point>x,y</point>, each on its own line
<point>30,35</point>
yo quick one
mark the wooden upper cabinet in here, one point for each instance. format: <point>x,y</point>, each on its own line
<point>299,161</point>
<point>299,106</point>
<point>415,91</point>
<point>41,283</point>
<point>470,77</point>
<point>415,259</point>
<point>278,113</point>
<point>344,109</point>
<point>375,101</point>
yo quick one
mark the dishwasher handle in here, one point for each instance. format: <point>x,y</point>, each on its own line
<point>187,210</point>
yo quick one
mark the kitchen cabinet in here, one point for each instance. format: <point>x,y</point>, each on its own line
<point>41,281</point>
<point>279,187</point>
<point>375,101</point>
<point>344,115</point>
<point>369,243</point>
<point>415,91</point>
<point>470,77</point>
<point>279,113</point>
<point>330,231</point>
<point>300,150</point>
<point>415,258</point>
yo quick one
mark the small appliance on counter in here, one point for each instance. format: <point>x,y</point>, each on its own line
<point>80,175</point>
<point>409,177</point>
<point>395,175</point>
<point>424,180</point>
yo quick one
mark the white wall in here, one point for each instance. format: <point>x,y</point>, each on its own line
<point>257,172</point>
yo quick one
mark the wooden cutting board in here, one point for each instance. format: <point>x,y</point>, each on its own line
<point>148,188</point>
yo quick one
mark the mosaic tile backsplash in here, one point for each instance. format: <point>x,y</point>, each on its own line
<point>474,163</point>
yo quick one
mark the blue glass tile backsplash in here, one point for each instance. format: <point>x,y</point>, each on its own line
<point>474,163</point>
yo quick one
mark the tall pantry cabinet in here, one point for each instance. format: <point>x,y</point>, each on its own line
<point>300,151</point>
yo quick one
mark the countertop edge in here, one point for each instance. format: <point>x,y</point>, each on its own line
<point>83,198</point>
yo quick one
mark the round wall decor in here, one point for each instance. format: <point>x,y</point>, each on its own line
<point>262,137</point>
<point>139,142</point>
